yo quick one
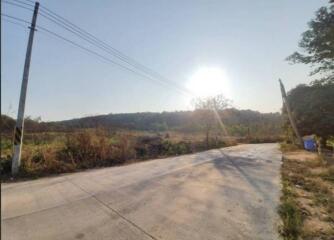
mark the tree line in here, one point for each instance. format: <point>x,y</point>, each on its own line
<point>237,122</point>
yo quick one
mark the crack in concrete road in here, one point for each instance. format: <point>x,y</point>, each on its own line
<point>120,215</point>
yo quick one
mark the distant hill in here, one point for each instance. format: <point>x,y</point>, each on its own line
<point>238,122</point>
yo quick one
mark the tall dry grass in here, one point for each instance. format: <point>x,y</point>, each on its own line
<point>92,148</point>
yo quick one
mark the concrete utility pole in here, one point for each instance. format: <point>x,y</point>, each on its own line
<point>291,119</point>
<point>18,134</point>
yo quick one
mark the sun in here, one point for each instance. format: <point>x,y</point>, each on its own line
<point>208,81</point>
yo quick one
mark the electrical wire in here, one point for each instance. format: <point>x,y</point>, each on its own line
<point>16,23</point>
<point>71,27</point>
<point>101,56</point>
<point>15,18</point>
<point>45,30</point>
<point>17,5</point>
<point>79,32</point>
<point>30,1</point>
<point>24,3</point>
<point>104,44</point>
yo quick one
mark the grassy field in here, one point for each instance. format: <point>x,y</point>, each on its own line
<point>307,202</point>
<point>59,152</point>
<point>116,139</point>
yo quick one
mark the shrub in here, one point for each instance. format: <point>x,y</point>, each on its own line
<point>42,161</point>
<point>84,150</point>
<point>179,148</point>
<point>5,165</point>
<point>94,149</point>
<point>124,150</point>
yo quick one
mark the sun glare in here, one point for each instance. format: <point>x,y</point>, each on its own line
<point>208,81</point>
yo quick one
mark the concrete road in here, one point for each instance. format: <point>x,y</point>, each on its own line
<point>230,193</point>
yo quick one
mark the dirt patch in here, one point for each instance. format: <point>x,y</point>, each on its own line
<point>307,202</point>
<point>301,155</point>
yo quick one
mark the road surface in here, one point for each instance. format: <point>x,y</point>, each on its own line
<point>229,193</point>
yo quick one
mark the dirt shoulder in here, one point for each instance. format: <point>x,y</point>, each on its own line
<point>307,201</point>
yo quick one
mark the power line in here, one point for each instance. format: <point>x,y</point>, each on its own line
<point>16,23</point>
<point>30,1</point>
<point>75,30</point>
<point>79,32</point>
<point>104,46</point>
<point>17,5</point>
<point>45,30</point>
<point>64,24</point>
<point>24,3</point>
<point>104,58</point>
<point>88,50</point>
<point>115,51</point>
<point>15,18</point>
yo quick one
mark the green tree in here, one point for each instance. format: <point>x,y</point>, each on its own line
<point>318,44</point>
<point>313,107</point>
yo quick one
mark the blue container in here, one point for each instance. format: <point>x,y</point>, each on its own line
<point>310,145</point>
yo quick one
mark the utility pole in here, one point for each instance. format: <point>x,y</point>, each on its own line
<point>288,110</point>
<point>18,133</point>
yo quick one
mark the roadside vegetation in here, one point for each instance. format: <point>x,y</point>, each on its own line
<point>307,201</point>
<point>117,139</point>
<point>49,153</point>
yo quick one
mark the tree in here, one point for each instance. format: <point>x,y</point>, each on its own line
<point>313,107</point>
<point>318,43</point>
<point>207,112</point>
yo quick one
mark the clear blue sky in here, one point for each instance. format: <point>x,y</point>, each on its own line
<point>249,40</point>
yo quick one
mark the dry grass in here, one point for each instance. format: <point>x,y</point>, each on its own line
<point>308,191</point>
<point>287,147</point>
<point>290,214</point>
<point>81,150</point>
<point>51,153</point>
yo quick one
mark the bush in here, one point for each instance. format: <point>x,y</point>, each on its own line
<point>123,150</point>
<point>5,165</point>
<point>85,149</point>
<point>42,161</point>
<point>179,148</point>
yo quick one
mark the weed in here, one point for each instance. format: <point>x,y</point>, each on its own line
<point>328,175</point>
<point>306,172</point>
<point>288,147</point>
<point>58,152</point>
<point>291,217</point>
